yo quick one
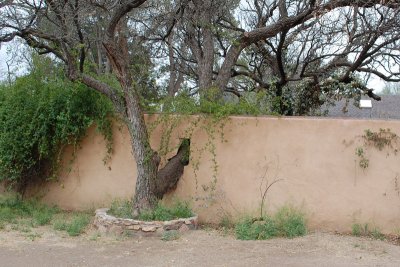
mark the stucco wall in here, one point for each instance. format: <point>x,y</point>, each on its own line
<point>314,158</point>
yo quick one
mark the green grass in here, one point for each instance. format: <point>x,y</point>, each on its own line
<point>358,229</point>
<point>60,224</point>
<point>287,222</point>
<point>23,215</point>
<point>163,213</point>
<point>78,224</point>
<point>121,209</point>
<point>170,235</point>
<point>74,224</point>
<point>13,208</point>
<point>179,209</point>
<point>290,222</point>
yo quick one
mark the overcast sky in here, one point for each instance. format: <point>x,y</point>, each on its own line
<point>3,65</point>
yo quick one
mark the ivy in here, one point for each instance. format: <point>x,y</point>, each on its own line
<point>40,114</point>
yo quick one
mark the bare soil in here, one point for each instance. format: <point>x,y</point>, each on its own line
<point>45,247</point>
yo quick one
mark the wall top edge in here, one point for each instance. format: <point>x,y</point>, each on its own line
<point>301,118</point>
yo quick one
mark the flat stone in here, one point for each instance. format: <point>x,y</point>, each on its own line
<point>168,223</point>
<point>188,222</point>
<point>149,223</point>
<point>171,227</point>
<point>183,228</point>
<point>149,228</point>
<point>134,227</point>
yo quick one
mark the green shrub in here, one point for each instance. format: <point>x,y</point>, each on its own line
<point>162,213</point>
<point>78,224</point>
<point>248,229</point>
<point>287,222</point>
<point>290,222</point>
<point>40,114</point>
<point>181,210</point>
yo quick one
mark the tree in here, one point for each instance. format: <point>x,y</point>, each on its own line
<point>288,48</point>
<point>391,89</point>
<point>61,28</point>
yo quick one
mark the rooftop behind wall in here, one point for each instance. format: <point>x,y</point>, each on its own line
<point>314,159</point>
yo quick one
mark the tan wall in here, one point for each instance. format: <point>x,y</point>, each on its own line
<point>315,158</point>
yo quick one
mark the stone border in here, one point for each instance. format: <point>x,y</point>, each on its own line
<point>106,223</point>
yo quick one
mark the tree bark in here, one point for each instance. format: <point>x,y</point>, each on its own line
<point>151,185</point>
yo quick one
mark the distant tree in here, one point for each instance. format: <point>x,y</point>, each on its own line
<point>295,50</point>
<point>391,89</point>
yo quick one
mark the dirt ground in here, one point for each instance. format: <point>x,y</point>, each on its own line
<point>45,247</point>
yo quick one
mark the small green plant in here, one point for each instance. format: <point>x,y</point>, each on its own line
<point>121,209</point>
<point>287,222</point>
<point>377,234</point>
<point>170,235</point>
<point>78,224</point>
<point>363,160</point>
<point>290,222</point>
<point>358,229</point>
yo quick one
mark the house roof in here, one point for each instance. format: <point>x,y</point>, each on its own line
<point>387,108</point>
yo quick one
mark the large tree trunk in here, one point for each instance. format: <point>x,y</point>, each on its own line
<point>206,61</point>
<point>147,160</point>
<point>150,187</point>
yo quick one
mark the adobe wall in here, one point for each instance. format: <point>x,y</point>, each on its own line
<point>313,159</point>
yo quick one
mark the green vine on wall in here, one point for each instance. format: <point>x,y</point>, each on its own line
<point>198,116</point>
<point>384,139</point>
